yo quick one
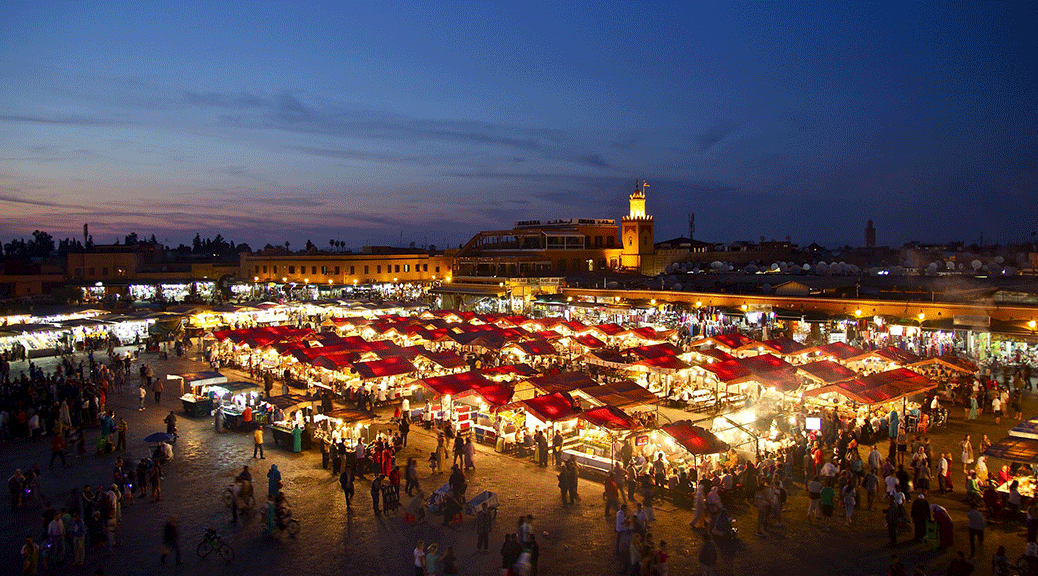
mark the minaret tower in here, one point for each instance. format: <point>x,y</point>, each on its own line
<point>637,231</point>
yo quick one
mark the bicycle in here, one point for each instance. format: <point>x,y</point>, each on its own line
<point>284,521</point>
<point>214,542</point>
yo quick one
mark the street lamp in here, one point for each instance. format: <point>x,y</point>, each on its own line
<point>858,312</point>
<point>922,316</point>
<point>1032,324</point>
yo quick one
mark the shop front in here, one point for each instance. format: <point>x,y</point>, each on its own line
<point>195,389</point>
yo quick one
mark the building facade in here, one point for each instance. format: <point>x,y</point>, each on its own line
<point>374,266</point>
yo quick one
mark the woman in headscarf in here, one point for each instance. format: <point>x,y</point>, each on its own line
<point>945,529</point>
<point>982,470</point>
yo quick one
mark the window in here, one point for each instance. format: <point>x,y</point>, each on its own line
<point>598,241</point>
<point>437,269</point>
<point>610,241</point>
<point>352,271</point>
<point>324,269</point>
<point>561,265</point>
<point>291,269</point>
<point>90,271</point>
<point>366,270</point>
<point>425,267</point>
<point>397,268</point>
<point>264,269</point>
<point>407,267</point>
<point>275,269</point>
<point>378,269</point>
<point>313,269</point>
<point>257,269</point>
<point>337,270</point>
<point>104,271</point>
<point>79,272</point>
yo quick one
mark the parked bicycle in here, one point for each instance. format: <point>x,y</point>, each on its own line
<point>211,542</point>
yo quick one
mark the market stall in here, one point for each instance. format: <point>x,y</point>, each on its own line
<point>342,424</point>
<point>287,417</point>
<point>194,390</point>
<point>682,444</point>
<point>598,432</point>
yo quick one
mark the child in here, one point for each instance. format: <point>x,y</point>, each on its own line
<point>434,462</point>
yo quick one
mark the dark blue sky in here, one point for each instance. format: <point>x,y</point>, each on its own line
<point>376,122</point>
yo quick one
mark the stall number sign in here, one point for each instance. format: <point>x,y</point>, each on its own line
<point>641,440</point>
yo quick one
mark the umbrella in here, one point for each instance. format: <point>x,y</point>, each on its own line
<point>159,437</point>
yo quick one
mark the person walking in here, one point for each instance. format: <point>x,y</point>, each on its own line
<point>30,557</point>
<point>967,453</point>
<point>542,449</point>
<point>405,426</point>
<point>142,393</point>
<point>376,491</point>
<point>850,499</point>
<point>534,552</point>
<point>120,443</point>
<point>762,501</point>
<point>419,559</point>
<point>273,481</point>
<point>432,560</point>
<point>920,513</point>
<point>346,480</point>
<point>157,387</point>
<point>171,540</point>
<point>611,495</point>
<point>57,447</point>
<point>556,447</point>
<point>708,556</point>
<point>470,454</point>
<point>257,442</point>
<point>976,524</point>
<point>483,523</point>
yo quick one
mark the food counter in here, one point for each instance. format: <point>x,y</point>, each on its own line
<point>197,405</point>
<point>291,438</point>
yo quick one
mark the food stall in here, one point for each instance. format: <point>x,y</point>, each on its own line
<point>294,407</point>
<point>549,412</point>
<point>683,445</point>
<point>347,424</point>
<point>484,401</point>
<point>195,390</point>
<point>1020,447</point>
<point>880,391</point>
<point>598,431</point>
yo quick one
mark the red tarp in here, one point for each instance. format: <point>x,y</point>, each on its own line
<point>827,371</point>
<point>563,382</point>
<point>949,361</point>
<point>549,408</point>
<point>654,350</point>
<point>445,359</point>
<point>879,388</point>
<point>521,369</point>
<point>496,395</point>
<point>534,348</point>
<point>609,329</point>
<point>589,341</point>
<point>837,350</point>
<point>575,326</point>
<point>386,367</point>
<point>716,354</point>
<point>546,335</point>
<point>610,418</point>
<point>453,384</point>
<point>783,346</point>
<point>728,371</point>
<point>620,394</point>
<point>609,358</point>
<point>649,333</point>
<point>665,364</point>
<point>729,341</point>
<point>780,380</point>
<point>889,354</point>
<point>695,439</point>
<point>765,363</point>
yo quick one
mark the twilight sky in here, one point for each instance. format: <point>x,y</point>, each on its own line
<point>379,122</point>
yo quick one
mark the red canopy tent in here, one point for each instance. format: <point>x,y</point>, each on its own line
<point>453,384</point>
<point>380,368</point>
<point>609,329</point>
<point>620,394</point>
<point>826,371</point>
<point>948,361</point>
<point>610,418</point>
<point>654,350</point>
<point>607,358</point>
<point>533,348</point>
<point>696,439</point>
<point>563,382</point>
<point>879,388</point>
<point>445,359</point>
<point>589,341</point>
<point>549,408</point>
<point>663,364</point>
<point>730,342</point>
<point>494,394</point>
<point>521,369</point>
<point>782,346</point>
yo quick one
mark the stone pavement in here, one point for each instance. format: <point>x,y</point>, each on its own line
<point>579,539</point>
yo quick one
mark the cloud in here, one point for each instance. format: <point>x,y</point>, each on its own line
<point>596,161</point>
<point>28,201</point>
<point>365,155</point>
<point>241,172</point>
<point>714,136</point>
<point>59,120</point>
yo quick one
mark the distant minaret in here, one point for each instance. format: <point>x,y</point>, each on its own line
<point>691,226</point>
<point>870,235</point>
<point>636,230</point>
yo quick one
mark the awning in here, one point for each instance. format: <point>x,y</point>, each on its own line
<point>446,359</point>
<point>521,369</point>
<point>879,388</point>
<point>1014,449</point>
<point>198,378</point>
<point>654,350</point>
<point>620,394</point>
<point>728,341</point>
<point>589,341</point>
<point>382,368</point>
<point>663,364</point>
<point>494,394</point>
<point>288,402</point>
<point>564,382</point>
<point>1028,429</point>
<point>533,348</point>
<point>650,334</point>
<point>454,384</point>
<point>728,371</point>
<point>351,415</point>
<point>607,358</point>
<point>235,388</point>
<point>948,361</point>
<point>549,408</point>
<point>826,371</point>
<point>836,350</point>
<point>782,346</point>
<point>696,439</point>
<point>610,418</point>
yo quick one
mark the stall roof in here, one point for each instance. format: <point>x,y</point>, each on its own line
<point>880,387</point>
<point>521,369</point>
<point>730,341</point>
<point>553,407</point>
<point>610,417</point>
<point>239,387</point>
<point>780,380</point>
<point>1014,449</point>
<point>534,348</point>
<point>889,354</point>
<point>716,354</point>
<point>654,350</point>
<point>663,364</point>
<point>386,367</point>
<point>608,358</point>
<point>1028,429</point>
<point>651,334</point>
<point>589,341</point>
<point>495,395</point>
<point>827,371</point>
<point>696,439</point>
<point>290,401</point>
<point>728,371</point>
<point>620,394</point>
<point>838,350</point>
<point>949,361</point>
<point>445,359</point>
<point>782,346</point>
<point>563,382</point>
<point>199,378</point>
<point>764,363</point>
<point>351,415</point>
<point>609,329</point>
<point>453,384</point>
